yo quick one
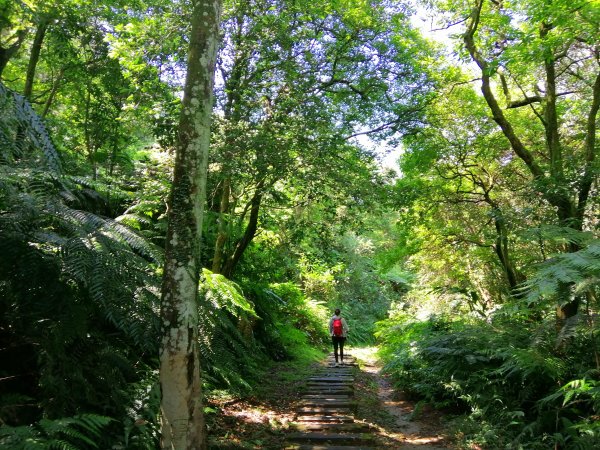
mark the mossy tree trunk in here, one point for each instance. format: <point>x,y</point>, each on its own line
<point>181,398</point>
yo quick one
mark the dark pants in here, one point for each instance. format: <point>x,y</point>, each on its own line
<point>338,341</point>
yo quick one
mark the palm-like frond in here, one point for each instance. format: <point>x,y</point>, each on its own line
<point>579,269</point>
<point>559,235</point>
<point>225,294</point>
<point>224,345</point>
<point>21,128</point>
<point>72,433</point>
<point>78,296</point>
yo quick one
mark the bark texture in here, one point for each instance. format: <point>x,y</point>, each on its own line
<point>181,397</point>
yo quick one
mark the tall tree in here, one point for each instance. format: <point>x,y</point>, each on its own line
<point>299,83</point>
<point>181,397</point>
<point>540,77</point>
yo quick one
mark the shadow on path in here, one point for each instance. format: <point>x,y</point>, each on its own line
<point>358,406</point>
<point>391,416</point>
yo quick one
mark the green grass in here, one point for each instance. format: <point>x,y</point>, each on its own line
<point>275,375</point>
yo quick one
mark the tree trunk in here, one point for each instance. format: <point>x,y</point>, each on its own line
<point>222,233</point>
<point>53,92</point>
<point>34,57</point>
<point>249,234</point>
<point>502,251</point>
<point>501,247</point>
<point>9,52</point>
<point>181,397</point>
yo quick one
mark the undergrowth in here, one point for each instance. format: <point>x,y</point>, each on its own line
<point>507,382</point>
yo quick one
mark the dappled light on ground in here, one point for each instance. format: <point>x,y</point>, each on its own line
<point>264,420</point>
<point>251,424</point>
<point>394,417</point>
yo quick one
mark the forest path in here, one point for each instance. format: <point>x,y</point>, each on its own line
<point>322,407</point>
<point>325,416</point>
<point>346,408</point>
<point>397,421</point>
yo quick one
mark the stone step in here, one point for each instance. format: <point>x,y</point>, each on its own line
<point>327,447</point>
<point>315,385</point>
<point>329,385</point>
<point>325,418</point>
<point>326,396</point>
<point>325,391</point>
<point>332,379</point>
<point>335,427</point>
<point>336,371</point>
<point>323,410</point>
<point>328,402</point>
<point>331,438</point>
<point>319,384</point>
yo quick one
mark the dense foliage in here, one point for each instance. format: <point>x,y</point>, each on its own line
<point>474,262</point>
<point>499,224</point>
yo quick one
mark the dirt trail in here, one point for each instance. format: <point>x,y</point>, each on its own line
<point>398,428</point>
<point>269,420</point>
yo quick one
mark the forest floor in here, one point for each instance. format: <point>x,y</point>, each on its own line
<point>262,420</point>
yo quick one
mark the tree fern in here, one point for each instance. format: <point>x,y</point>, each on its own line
<point>78,297</point>
<point>579,269</point>
<point>223,345</point>
<point>72,433</point>
<point>21,128</point>
<point>223,293</point>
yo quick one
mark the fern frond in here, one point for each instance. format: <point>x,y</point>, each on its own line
<point>581,269</point>
<point>224,293</point>
<point>569,329</point>
<point>559,235</point>
<point>27,122</point>
<point>71,433</point>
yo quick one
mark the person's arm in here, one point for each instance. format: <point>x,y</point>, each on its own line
<point>331,327</point>
<point>345,326</point>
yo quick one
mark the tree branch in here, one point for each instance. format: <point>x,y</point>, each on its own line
<point>497,113</point>
<point>524,102</point>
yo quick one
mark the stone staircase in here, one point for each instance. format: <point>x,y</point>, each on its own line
<point>325,417</point>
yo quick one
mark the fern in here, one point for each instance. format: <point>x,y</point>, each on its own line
<point>580,269</point>
<point>78,298</point>
<point>73,433</point>
<point>224,293</point>
<point>559,235</point>
<point>19,118</point>
<point>225,350</point>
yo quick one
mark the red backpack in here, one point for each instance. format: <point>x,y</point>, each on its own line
<point>338,329</point>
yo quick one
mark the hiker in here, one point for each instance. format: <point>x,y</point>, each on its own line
<point>338,329</point>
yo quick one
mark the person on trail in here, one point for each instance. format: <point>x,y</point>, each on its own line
<point>338,329</point>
